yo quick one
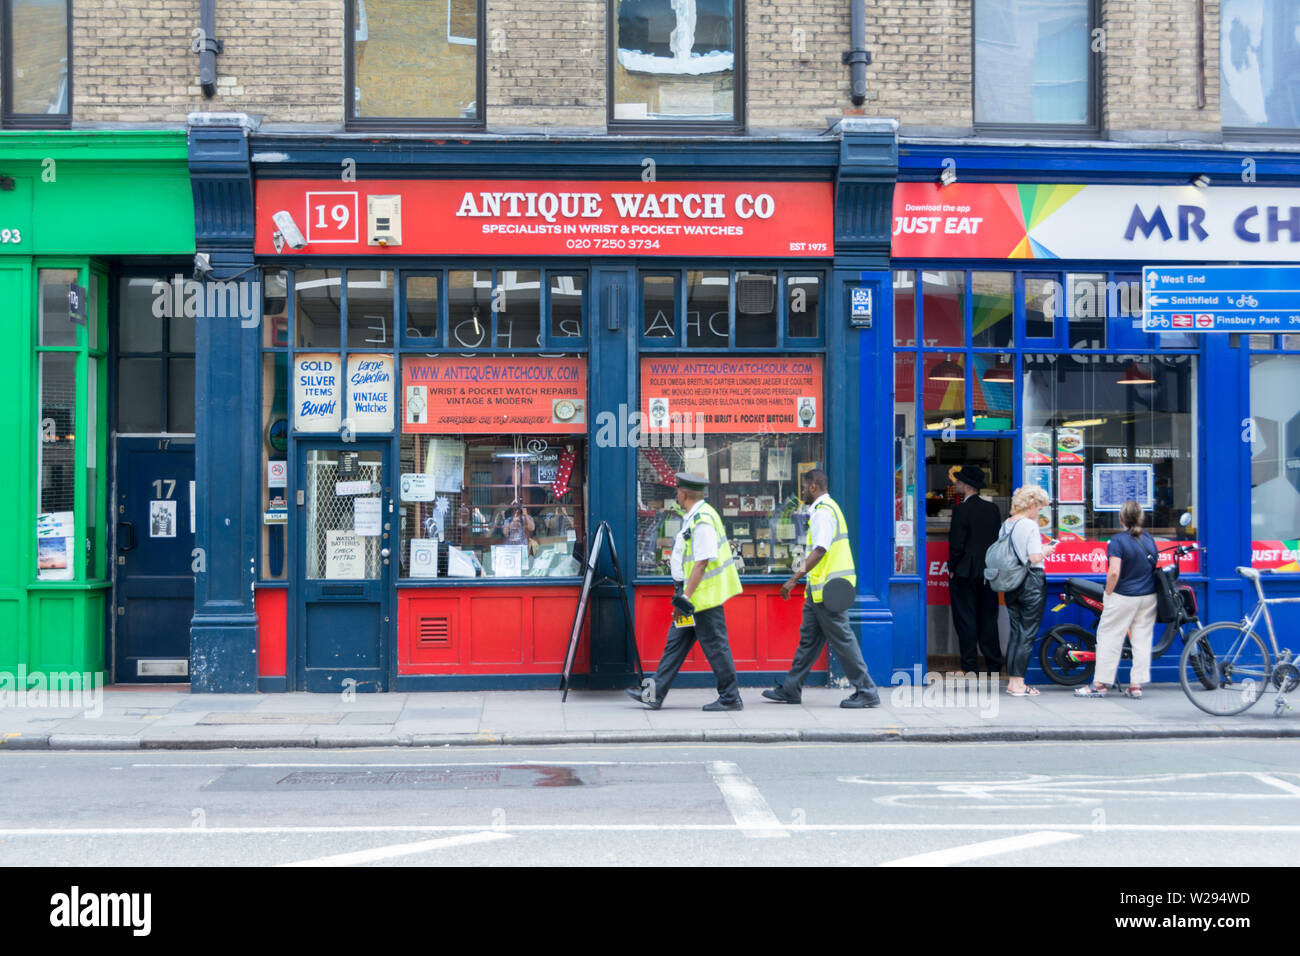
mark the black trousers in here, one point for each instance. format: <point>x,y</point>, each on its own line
<point>975,617</point>
<point>818,627</point>
<point>1025,610</point>
<point>711,631</point>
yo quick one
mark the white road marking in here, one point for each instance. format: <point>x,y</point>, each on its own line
<point>401,849</point>
<point>976,851</point>
<point>748,808</point>
<point>1275,782</point>
<point>1083,828</point>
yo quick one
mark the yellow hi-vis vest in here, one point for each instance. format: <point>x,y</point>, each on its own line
<point>721,582</point>
<point>837,562</point>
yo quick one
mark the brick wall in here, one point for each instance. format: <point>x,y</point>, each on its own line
<point>1151,66</point>
<point>546,63</point>
<point>132,61</point>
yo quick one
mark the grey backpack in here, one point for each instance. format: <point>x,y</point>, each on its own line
<point>1003,568</point>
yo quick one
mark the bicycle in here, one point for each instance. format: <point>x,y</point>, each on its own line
<point>1231,663</point>
<point>1068,652</point>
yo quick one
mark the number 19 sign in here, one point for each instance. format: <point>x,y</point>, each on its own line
<point>332,217</point>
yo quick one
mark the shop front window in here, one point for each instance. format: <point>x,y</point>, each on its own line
<point>753,428</point>
<point>57,466</point>
<point>1099,430</point>
<point>905,463</point>
<point>493,467</point>
<point>1274,461</point>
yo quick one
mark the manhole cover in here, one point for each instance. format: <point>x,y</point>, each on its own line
<point>445,778</point>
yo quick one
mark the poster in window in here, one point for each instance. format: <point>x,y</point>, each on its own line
<point>1040,475</point>
<point>316,392</point>
<point>344,556</point>
<point>508,560</point>
<point>732,396</point>
<point>446,463</point>
<point>745,461</point>
<point>780,464</point>
<point>1112,485</point>
<point>1072,522</point>
<point>367,518</point>
<point>162,519</point>
<point>54,536</point>
<point>1070,485</point>
<point>1069,446</point>
<point>490,395</point>
<point>1038,448</point>
<point>370,393</point>
<point>424,558</point>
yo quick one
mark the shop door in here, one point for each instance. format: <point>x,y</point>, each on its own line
<point>154,583</point>
<point>345,538</point>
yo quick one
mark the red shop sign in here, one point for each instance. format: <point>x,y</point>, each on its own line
<point>731,395</point>
<point>550,218</point>
<point>489,395</point>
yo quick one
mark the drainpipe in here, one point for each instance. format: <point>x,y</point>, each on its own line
<point>857,58</point>
<point>207,46</point>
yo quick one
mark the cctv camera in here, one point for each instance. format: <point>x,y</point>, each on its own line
<point>202,265</point>
<point>289,230</point>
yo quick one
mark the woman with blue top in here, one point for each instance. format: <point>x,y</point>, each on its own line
<point>1129,606</point>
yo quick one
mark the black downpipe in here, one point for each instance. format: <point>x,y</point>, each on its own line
<point>207,46</point>
<point>857,58</point>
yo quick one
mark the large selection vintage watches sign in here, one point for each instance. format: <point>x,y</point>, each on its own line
<point>493,396</point>
<point>319,382</point>
<point>1050,221</point>
<point>524,217</point>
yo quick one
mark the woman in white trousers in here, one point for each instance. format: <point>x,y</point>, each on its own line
<point>1129,607</point>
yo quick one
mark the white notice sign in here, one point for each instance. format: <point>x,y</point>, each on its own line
<point>417,487</point>
<point>345,556</point>
<point>366,519</point>
<point>370,393</point>
<point>344,488</point>
<point>316,392</point>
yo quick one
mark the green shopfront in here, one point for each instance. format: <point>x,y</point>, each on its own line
<point>89,222</point>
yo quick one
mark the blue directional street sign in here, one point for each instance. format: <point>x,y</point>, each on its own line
<point>1221,299</point>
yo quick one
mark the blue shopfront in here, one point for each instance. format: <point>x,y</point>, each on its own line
<point>464,356</point>
<point>1018,345</point>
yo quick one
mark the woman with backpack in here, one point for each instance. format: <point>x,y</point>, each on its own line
<point>1026,603</point>
<point>1129,606</point>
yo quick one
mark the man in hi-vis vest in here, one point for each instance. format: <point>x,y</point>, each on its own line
<point>705,576</point>
<point>828,558</point>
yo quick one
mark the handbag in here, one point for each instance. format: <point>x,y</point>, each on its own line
<point>1168,603</point>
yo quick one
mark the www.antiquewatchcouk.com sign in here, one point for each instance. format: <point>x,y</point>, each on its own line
<point>525,217</point>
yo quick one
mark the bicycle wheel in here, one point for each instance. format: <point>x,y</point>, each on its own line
<point>1054,655</point>
<point>1200,660</point>
<point>1231,669</point>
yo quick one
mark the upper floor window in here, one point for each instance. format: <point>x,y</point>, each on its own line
<point>675,62</point>
<point>37,63</point>
<point>1034,65</point>
<point>415,63</point>
<point>1259,64</point>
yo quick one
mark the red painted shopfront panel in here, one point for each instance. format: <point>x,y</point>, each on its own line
<point>272,630</point>
<point>763,629</point>
<point>487,631</point>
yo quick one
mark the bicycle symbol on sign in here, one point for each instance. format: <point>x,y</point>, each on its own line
<point>1246,301</point>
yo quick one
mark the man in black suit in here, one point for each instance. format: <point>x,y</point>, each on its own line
<point>975,526</point>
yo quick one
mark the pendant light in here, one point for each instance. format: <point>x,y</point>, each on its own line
<point>947,371</point>
<point>1136,374</point>
<point>1002,372</point>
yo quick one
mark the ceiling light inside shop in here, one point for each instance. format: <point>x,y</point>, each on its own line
<point>1002,372</point>
<point>947,371</point>
<point>1084,423</point>
<point>1136,374</point>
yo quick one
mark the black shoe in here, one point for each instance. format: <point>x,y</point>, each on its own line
<point>782,696</point>
<point>861,698</point>
<point>721,704</point>
<point>635,694</point>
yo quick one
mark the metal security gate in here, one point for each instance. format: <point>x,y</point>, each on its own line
<point>346,540</point>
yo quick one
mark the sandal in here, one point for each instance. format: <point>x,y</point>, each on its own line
<point>1133,691</point>
<point>1027,691</point>
<point>1087,690</point>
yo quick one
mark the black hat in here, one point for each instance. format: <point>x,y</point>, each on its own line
<point>971,475</point>
<point>692,482</point>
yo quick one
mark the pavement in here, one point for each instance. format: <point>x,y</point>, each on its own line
<point>955,710</point>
